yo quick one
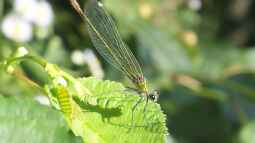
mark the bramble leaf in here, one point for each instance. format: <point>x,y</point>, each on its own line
<point>102,111</point>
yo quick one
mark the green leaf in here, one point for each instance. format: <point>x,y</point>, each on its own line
<point>23,120</point>
<point>102,110</point>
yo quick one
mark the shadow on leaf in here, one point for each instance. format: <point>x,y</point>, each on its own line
<point>106,113</point>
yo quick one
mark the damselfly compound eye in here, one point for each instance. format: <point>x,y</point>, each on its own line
<point>154,96</point>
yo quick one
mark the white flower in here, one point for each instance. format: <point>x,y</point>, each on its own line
<point>93,63</point>
<point>43,14</point>
<point>38,12</point>
<point>88,57</point>
<point>25,8</point>
<point>77,57</point>
<point>195,4</point>
<point>16,28</point>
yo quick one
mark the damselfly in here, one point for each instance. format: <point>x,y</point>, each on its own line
<point>109,44</point>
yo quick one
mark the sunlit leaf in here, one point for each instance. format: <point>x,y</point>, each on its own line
<point>102,106</point>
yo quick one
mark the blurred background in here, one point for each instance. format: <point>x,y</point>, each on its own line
<point>200,54</point>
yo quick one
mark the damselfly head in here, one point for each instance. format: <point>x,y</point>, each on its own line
<point>154,95</point>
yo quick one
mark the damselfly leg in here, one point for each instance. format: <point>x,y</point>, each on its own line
<point>145,106</point>
<point>133,109</point>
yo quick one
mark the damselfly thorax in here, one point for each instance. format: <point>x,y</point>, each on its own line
<point>142,86</point>
<point>140,83</point>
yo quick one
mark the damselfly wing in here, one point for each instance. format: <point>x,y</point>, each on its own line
<point>107,41</point>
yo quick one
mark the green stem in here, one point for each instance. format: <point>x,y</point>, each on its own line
<point>38,60</point>
<point>21,76</point>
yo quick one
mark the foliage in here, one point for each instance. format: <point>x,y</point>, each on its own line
<point>24,120</point>
<point>89,104</point>
<point>199,54</point>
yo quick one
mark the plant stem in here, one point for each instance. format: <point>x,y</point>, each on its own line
<point>38,60</point>
<point>20,74</point>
